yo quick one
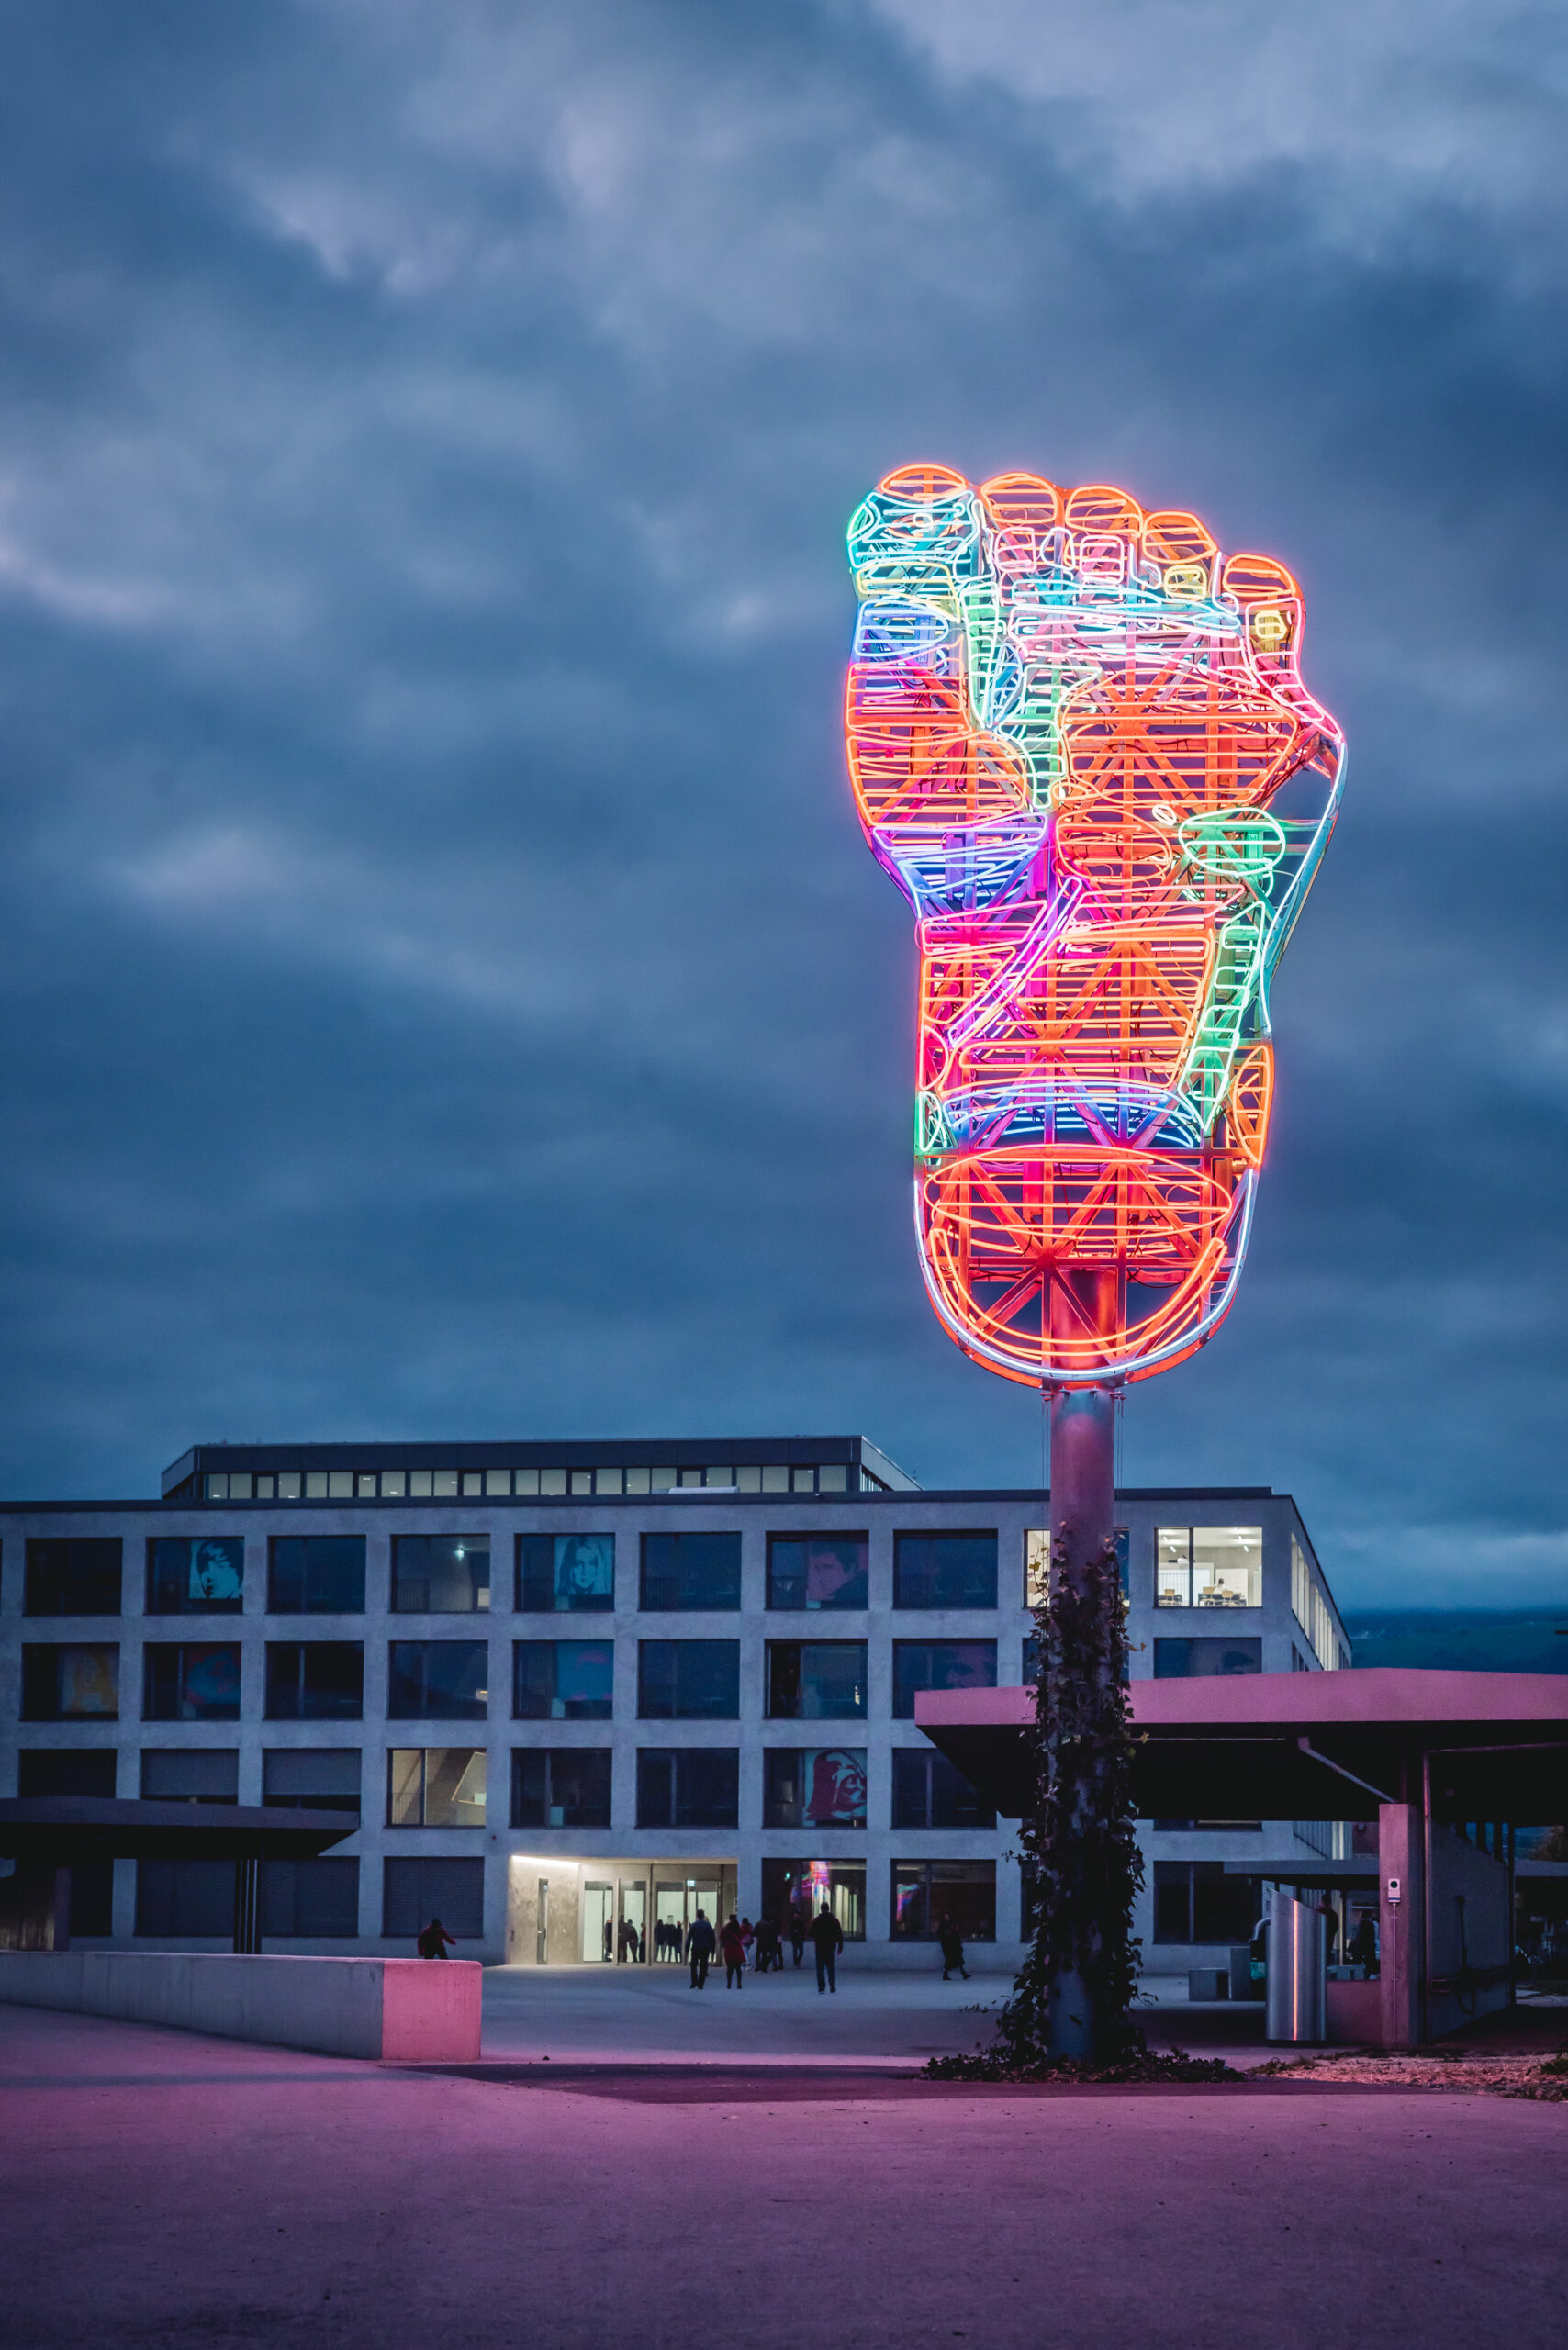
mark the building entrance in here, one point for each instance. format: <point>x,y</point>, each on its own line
<point>612,1913</point>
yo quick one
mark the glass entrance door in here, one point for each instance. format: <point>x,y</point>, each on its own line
<point>631,1946</point>
<point>599,1923</point>
<point>669,1923</point>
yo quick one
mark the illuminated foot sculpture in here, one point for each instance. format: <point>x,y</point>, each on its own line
<point>1080,743</point>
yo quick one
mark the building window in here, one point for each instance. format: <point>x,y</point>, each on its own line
<point>924,1893</point>
<point>813,1786</point>
<point>818,1570</point>
<point>804,1885</point>
<point>1037,1565</point>
<point>196,1574</point>
<point>190,1774</point>
<point>822,1681</point>
<point>435,1787</point>
<point>415,1891</point>
<point>566,1574</point>
<point>190,1681</point>
<point>1312,1611</point>
<point>71,1575</point>
<point>1203,1660</point>
<point>315,1681</point>
<point>317,1574</point>
<point>180,1900</point>
<point>1208,1566</point>
<point>692,1570</point>
<point>1195,1901</point>
<point>313,1900</point>
<point>563,1681</point>
<point>560,1786</point>
<point>440,1574</point>
<point>939,1664</point>
<point>66,1770</point>
<point>689,1679</point>
<point>311,1778</point>
<point>74,1683</point>
<point>689,1786</point>
<point>945,1570</point>
<point>931,1792</point>
<point>438,1681</point>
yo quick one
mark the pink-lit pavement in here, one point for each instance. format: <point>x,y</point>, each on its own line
<point>161,2189</point>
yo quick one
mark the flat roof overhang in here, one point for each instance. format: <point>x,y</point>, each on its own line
<point>59,1831</point>
<point>1299,1745</point>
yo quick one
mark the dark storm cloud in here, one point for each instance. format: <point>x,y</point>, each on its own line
<point>446,989</point>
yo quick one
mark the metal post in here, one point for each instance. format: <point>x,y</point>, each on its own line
<point>247,1908</point>
<point>1083,1517</point>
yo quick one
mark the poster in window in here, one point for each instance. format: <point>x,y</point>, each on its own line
<point>585,1569</point>
<point>217,1571</point>
<point>835,1786</point>
<point>88,1681</point>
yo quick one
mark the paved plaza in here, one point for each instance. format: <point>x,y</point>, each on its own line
<point>165,2189</point>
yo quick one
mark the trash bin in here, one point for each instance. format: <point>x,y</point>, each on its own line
<point>1242,1985</point>
<point>1298,1966</point>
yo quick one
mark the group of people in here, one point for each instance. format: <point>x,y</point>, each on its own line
<point>761,1947</point>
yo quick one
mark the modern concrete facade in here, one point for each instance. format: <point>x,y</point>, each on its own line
<point>236,1716</point>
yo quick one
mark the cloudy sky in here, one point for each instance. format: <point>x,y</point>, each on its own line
<point>446,992</point>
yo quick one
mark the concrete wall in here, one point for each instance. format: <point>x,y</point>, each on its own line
<point>1471,1931</point>
<point>398,2010</point>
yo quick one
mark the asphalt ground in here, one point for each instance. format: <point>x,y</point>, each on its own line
<point>163,2188</point>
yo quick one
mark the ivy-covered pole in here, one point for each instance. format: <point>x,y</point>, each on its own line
<point>1079,1838</point>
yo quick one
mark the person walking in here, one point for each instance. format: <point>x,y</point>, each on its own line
<point>700,1942</point>
<point>952,1943</point>
<point>800,1927</point>
<point>432,1942</point>
<point>770,1952</point>
<point>732,1942</point>
<point>828,1935</point>
<point>748,1939</point>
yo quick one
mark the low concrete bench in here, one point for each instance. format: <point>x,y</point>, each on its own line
<point>394,2010</point>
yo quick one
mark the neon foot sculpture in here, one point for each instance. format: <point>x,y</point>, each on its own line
<point>1081,745</point>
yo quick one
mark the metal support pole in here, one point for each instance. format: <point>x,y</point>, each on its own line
<point>1083,1517</point>
<point>247,1908</point>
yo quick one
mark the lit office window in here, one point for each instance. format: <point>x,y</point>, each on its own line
<point>71,1575</point>
<point>70,1683</point>
<point>813,1571</point>
<point>931,1792</point>
<point>689,1786</point>
<point>691,1571</point>
<point>816,1680</point>
<point>560,1786</point>
<point>440,1574</point>
<point>196,1574</point>
<point>939,1664</point>
<point>435,1787</point>
<point>926,1893</point>
<point>1209,1566</point>
<point>566,1574</point>
<point>813,1786</point>
<point>945,1570</point>
<point>564,1681</point>
<point>315,1681</point>
<point>317,1574</point>
<point>190,1681</point>
<point>689,1679</point>
<point>438,1681</point>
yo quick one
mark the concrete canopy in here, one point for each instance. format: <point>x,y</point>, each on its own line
<point>59,1832</point>
<point>1299,1745</point>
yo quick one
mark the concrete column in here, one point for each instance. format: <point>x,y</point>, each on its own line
<point>1400,1923</point>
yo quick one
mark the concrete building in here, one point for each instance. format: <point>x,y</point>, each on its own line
<point>578,1690</point>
